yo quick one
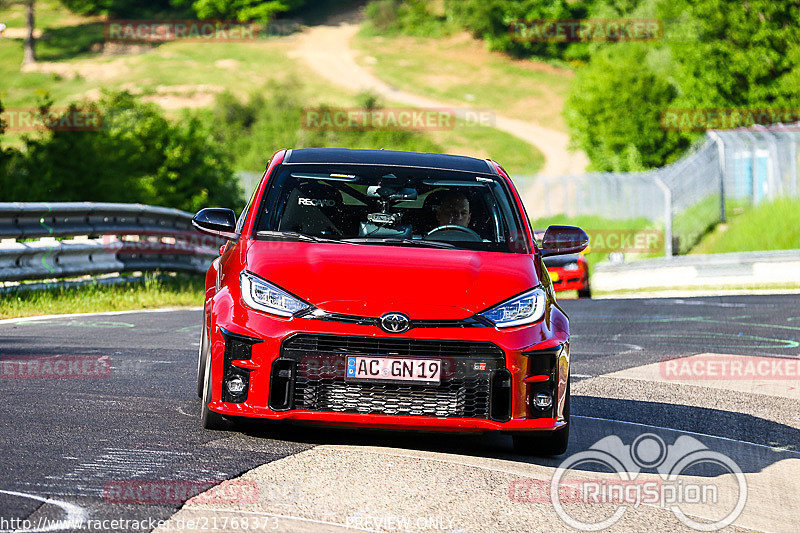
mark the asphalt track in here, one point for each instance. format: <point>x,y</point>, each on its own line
<point>66,440</point>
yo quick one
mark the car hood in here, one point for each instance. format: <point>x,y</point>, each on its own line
<point>370,280</point>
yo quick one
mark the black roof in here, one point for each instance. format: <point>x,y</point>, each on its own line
<point>392,158</point>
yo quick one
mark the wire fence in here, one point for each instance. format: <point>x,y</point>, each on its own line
<point>732,167</point>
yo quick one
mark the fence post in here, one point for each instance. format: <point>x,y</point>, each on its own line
<point>721,152</point>
<point>667,216</point>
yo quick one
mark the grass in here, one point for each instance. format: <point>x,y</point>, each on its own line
<point>771,225</point>
<point>460,70</point>
<point>48,13</point>
<point>516,156</point>
<point>696,221</point>
<point>153,292</point>
<point>184,74</point>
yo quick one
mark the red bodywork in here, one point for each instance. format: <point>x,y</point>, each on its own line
<point>351,280</point>
<point>571,279</point>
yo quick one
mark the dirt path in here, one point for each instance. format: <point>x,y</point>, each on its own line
<point>327,50</point>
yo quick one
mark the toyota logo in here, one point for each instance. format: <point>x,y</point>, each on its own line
<point>395,323</point>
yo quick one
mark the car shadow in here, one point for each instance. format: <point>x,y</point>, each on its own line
<point>744,438</point>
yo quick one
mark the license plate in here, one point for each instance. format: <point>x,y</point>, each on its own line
<point>386,368</point>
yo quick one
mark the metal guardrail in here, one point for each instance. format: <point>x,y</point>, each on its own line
<point>106,238</point>
<point>691,271</point>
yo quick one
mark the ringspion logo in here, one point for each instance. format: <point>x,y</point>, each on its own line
<point>674,486</point>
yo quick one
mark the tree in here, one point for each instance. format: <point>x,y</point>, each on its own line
<point>136,156</point>
<point>242,10</point>
<point>715,54</point>
<point>29,52</point>
<point>119,8</point>
<point>29,55</point>
<point>614,108</point>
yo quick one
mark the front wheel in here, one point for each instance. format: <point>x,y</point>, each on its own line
<point>545,443</point>
<point>201,358</point>
<point>209,418</point>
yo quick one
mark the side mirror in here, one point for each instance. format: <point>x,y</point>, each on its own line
<point>216,221</point>
<point>559,240</point>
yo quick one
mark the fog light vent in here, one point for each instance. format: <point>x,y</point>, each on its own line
<point>235,385</point>
<point>543,400</point>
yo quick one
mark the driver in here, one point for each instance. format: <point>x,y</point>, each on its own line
<point>453,209</point>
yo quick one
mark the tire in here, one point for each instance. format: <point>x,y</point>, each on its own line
<point>208,418</point>
<point>585,293</point>
<point>201,358</point>
<point>545,443</point>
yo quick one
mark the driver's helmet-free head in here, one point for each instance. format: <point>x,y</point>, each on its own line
<point>450,207</point>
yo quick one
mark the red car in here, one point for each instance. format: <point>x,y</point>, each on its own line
<point>385,289</point>
<point>569,273</point>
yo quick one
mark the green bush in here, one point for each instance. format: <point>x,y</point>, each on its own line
<point>411,17</point>
<point>491,21</point>
<point>136,156</point>
<point>613,111</point>
<point>268,121</point>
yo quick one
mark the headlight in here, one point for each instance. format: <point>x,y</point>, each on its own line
<point>523,309</point>
<point>265,296</point>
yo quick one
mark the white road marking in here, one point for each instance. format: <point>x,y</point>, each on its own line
<point>103,313</point>
<point>181,411</point>
<point>76,515</point>
<point>686,432</point>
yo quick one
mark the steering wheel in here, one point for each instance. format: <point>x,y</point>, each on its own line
<point>453,232</point>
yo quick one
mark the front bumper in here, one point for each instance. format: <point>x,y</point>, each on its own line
<point>568,280</point>
<point>494,373</point>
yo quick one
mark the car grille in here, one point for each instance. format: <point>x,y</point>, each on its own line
<point>318,384</point>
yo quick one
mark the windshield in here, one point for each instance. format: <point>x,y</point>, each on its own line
<point>393,206</point>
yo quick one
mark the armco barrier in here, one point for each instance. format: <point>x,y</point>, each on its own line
<point>153,238</point>
<point>713,270</point>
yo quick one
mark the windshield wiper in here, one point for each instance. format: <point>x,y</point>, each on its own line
<point>296,235</point>
<point>396,240</point>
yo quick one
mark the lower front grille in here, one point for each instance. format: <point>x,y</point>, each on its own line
<point>455,398</point>
<point>466,391</point>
